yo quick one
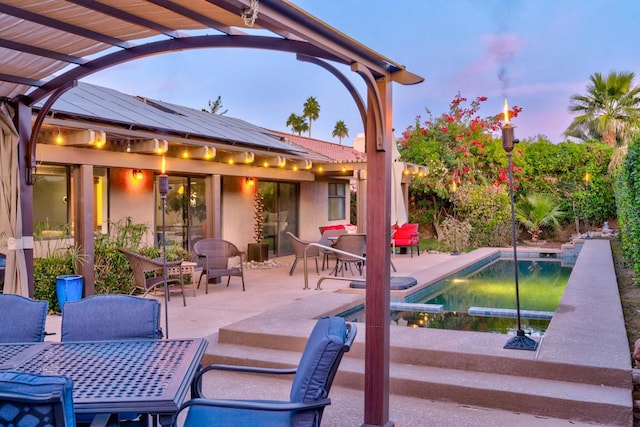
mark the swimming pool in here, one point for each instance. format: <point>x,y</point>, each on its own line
<point>481,297</point>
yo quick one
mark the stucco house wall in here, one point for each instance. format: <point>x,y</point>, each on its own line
<point>133,198</point>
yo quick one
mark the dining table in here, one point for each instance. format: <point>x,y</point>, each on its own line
<point>143,376</point>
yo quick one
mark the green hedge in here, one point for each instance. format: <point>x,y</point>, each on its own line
<point>628,202</point>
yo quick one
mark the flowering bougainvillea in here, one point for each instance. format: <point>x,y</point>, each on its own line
<point>462,150</point>
<point>459,146</point>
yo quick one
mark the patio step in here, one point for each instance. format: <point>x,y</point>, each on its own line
<point>589,403</point>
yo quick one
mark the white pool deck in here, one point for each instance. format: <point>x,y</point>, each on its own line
<point>580,375</point>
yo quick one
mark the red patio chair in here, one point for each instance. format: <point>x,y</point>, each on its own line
<point>406,236</point>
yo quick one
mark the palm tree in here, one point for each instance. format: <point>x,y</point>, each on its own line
<point>610,110</point>
<point>311,110</point>
<point>538,211</point>
<point>297,123</point>
<point>215,107</point>
<point>340,130</point>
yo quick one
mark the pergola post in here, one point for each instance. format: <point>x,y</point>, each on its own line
<point>378,137</point>
<point>83,225</point>
<point>23,124</point>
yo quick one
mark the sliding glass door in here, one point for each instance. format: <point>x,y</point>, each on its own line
<point>280,213</point>
<point>185,212</point>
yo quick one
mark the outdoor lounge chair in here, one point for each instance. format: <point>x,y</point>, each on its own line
<point>22,319</point>
<point>36,400</point>
<point>214,256</point>
<point>330,339</point>
<point>299,247</point>
<point>406,236</point>
<point>145,273</point>
<point>355,244</point>
<point>111,317</point>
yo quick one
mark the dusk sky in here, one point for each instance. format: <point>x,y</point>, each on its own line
<point>536,53</point>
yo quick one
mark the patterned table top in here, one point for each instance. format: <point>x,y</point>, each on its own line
<point>146,376</point>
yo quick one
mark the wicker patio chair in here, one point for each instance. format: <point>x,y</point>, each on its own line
<point>145,273</point>
<point>22,319</point>
<point>330,339</point>
<point>354,244</point>
<point>214,257</point>
<point>299,247</point>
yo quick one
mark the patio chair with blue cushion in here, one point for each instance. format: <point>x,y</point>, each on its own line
<point>111,317</point>
<point>36,400</point>
<point>22,319</point>
<point>330,339</point>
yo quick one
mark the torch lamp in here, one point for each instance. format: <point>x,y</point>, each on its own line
<point>587,179</point>
<point>454,189</point>
<point>520,341</point>
<point>163,189</point>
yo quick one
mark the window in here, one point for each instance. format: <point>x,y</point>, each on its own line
<point>53,209</point>
<point>337,201</point>
<point>51,201</point>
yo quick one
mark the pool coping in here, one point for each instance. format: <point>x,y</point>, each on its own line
<point>583,344</point>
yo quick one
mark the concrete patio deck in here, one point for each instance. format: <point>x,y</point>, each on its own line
<point>581,374</point>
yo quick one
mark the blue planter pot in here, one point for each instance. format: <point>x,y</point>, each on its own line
<point>68,288</point>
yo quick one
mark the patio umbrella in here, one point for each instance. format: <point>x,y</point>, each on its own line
<point>398,208</point>
<point>15,275</point>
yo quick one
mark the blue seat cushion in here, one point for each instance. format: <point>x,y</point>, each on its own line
<point>232,417</point>
<point>110,317</point>
<point>36,385</point>
<point>22,319</point>
<point>318,362</point>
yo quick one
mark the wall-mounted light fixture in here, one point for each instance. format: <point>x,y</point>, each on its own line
<point>250,182</point>
<point>137,174</point>
<point>59,138</point>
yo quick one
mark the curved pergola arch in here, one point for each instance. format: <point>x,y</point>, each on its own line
<point>55,88</point>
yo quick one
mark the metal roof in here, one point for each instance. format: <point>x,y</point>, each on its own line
<point>46,45</point>
<point>101,104</point>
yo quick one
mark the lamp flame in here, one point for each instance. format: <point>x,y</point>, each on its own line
<point>163,167</point>
<point>506,112</point>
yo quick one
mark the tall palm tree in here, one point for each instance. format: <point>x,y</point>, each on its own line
<point>610,110</point>
<point>297,123</point>
<point>311,110</point>
<point>340,130</point>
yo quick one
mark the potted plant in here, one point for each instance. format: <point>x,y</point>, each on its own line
<point>258,251</point>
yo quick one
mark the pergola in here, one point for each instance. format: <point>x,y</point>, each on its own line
<point>46,46</point>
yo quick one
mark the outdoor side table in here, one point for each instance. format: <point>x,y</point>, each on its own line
<point>145,376</point>
<point>186,268</point>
